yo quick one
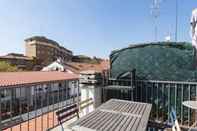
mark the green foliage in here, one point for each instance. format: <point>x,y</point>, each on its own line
<point>86,59</point>
<point>6,67</point>
<point>156,61</point>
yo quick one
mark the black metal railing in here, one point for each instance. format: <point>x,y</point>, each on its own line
<point>33,107</point>
<point>163,95</point>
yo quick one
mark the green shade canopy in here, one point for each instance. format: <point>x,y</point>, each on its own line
<point>155,61</point>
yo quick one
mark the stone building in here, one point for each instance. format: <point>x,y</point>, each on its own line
<point>21,61</point>
<point>46,51</point>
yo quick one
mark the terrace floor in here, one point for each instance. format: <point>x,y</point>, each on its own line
<point>44,122</point>
<point>41,123</point>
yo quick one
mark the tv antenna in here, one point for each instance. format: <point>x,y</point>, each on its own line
<point>155,12</point>
<point>176,25</point>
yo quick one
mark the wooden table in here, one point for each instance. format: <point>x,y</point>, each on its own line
<point>190,104</point>
<point>115,115</point>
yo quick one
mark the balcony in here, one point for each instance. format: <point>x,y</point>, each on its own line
<point>33,107</point>
<point>35,111</point>
<point>163,95</point>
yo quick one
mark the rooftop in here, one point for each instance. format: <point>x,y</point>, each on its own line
<point>16,56</point>
<point>79,67</point>
<point>47,40</point>
<point>22,78</point>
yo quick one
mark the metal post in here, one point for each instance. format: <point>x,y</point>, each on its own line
<point>62,96</point>
<point>175,97</point>
<point>176,27</point>
<point>157,106</point>
<point>42,93</point>
<point>146,88</point>
<point>59,95</point>
<point>28,106</point>
<point>140,85</point>
<point>11,102</point>
<point>189,113</point>
<point>35,89</point>
<point>20,106</point>
<point>48,95</point>
<point>53,106</point>
<point>181,104</point>
<point>0,111</point>
<point>169,102</point>
<point>67,98</point>
<point>155,13</point>
<point>162,98</point>
<point>196,100</point>
<point>156,31</point>
<point>133,82</point>
<point>77,84</point>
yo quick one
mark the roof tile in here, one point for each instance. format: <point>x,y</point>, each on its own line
<point>21,78</point>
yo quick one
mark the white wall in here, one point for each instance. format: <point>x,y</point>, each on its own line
<point>91,92</point>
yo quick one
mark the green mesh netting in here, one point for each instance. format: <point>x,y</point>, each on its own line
<point>155,61</point>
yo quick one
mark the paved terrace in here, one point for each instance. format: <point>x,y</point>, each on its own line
<point>41,123</point>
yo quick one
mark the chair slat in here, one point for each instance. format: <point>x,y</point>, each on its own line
<point>67,114</point>
<point>86,105</point>
<point>66,109</point>
<point>86,101</point>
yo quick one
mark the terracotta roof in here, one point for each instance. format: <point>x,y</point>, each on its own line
<point>21,78</point>
<point>89,72</point>
<point>78,67</point>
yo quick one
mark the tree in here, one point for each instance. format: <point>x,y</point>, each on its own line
<point>6,67</point>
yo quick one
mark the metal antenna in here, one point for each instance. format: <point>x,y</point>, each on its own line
<point>176,26</point>
<point>155,12</point>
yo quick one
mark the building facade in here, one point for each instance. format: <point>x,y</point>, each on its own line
<point>21,61</point>
<point>46,51</point>
<point>90,77</point>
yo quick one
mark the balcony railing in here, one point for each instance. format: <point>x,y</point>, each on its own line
<point>162,94</point>
<point>33,107</point>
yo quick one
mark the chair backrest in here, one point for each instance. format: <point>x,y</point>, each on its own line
<point>175,124</point>
<point>67,113</point>
<point>86,103</point>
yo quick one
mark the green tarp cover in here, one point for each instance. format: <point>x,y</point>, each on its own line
<point>155,61</point>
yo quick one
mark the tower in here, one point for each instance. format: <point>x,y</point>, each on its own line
<point>155,12</point>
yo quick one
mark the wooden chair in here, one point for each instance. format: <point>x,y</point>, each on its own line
<point>86,103</point>
<point>174,120</point>
<point>67,113</point>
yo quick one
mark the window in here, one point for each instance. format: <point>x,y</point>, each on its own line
<point>5,93</point>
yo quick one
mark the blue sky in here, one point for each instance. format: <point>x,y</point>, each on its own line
<point>89,27</point>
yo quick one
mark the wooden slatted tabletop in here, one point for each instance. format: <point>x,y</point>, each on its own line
<point>115,115</point>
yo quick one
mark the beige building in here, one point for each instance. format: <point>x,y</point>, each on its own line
<point>21,61</point>
<point>46,51</point>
